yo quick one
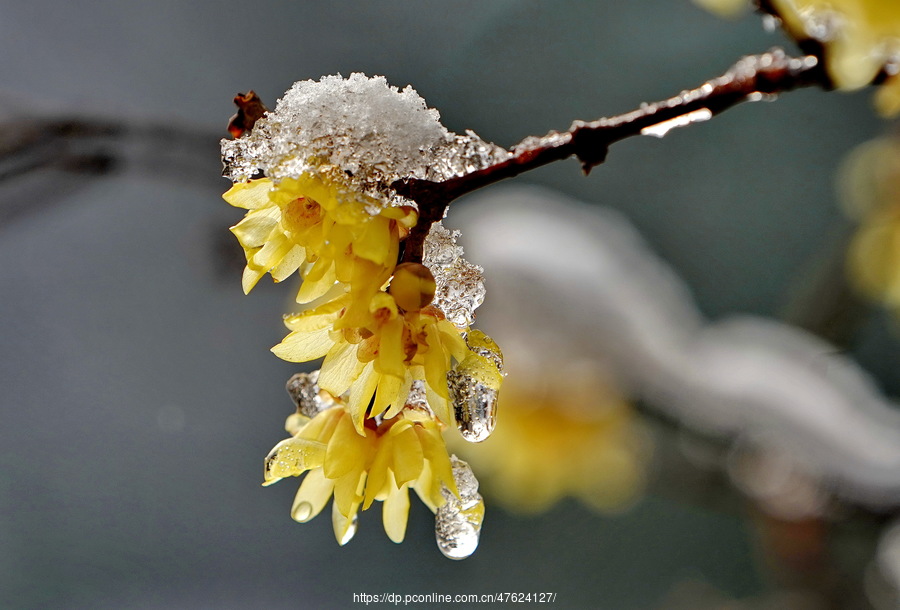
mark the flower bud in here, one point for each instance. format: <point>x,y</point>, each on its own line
<point>413,286</point>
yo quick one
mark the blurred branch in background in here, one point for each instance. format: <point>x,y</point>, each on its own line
<point>43,157</point>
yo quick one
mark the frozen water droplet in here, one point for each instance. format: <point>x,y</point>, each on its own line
<point>466,483</point>
<point>456,538</point>
<point>459,284</point>
<point>292,457</point>
<point>417,406</point>
<point>303,388</point>
<point>457,524</point>
<point>302,512</point>
<point>474,406</point>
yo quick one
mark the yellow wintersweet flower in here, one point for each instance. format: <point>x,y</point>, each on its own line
<point>323,229</point>
<point>861,39</point>
<point>382,463</point>
<point>381,358</point>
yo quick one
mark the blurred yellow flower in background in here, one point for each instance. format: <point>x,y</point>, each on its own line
<point>870,184</point>
<point>576,437</point>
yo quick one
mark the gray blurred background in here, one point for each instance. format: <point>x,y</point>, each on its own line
<point>138,393</point>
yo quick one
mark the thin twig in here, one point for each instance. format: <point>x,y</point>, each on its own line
<point>751,79</point>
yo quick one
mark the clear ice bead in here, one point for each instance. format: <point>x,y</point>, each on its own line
<point>303,388</point>
<point>474,406</point>
<point>457,524</point>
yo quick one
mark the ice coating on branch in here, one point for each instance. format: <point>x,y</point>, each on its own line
<point>460,284</point>
<point>372,132</point>
<point>457,524</point>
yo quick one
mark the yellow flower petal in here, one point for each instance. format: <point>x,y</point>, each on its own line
<point>251,277</point>
<point>407,452</point>
<point>250,195</point>
<point>452,341</point>
<point>271,254</point>
<point>340,369</point>
<point>256,227</point>
<point>347,451</point>
<point>312,496</point>
<point>315,319</point>
<point>387,393</point>
<point>402,396</point>
<point>361,394</point>
<point>395,513</point>
<point>304,346</point>
<point>425,488</point>
<point>312,289</point>
<point>377,485</point>
<point>439,404</point>
<point>391,354</point>
<point>344,527</point>
<point>348,492</point>
<point>372,240</point>
<point>322,425</point>
<point>435,453</point>
<point>295,257</point>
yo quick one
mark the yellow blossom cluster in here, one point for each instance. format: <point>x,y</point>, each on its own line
<point>374,323</point>
<point>400,361</point>
<point>381,463</point>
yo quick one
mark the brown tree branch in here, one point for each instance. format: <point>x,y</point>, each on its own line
<point>753,78</point>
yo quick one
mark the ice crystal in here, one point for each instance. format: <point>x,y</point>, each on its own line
<point>458,522</point>
<point>417,401</point>
<point>372,132</point>
<point>474,406</point>
<point>303,388</point>
<point>459,283</point>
